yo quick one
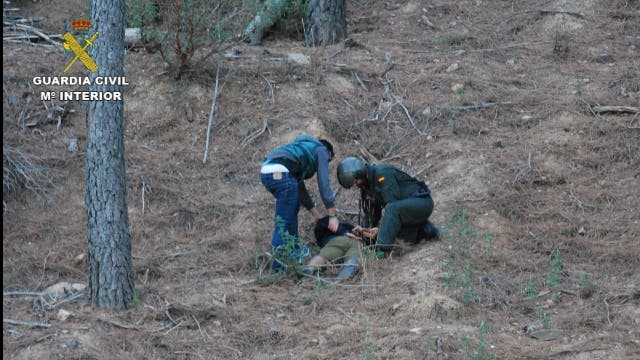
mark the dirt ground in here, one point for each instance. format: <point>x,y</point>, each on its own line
<point>497,104</point>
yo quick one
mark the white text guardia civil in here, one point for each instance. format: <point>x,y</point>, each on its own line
<point>79,80</point>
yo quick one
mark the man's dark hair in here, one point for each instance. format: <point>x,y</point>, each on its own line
<point>323,234</point>
<point>329,147</point>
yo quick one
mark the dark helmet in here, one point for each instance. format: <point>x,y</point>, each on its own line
<point>349,170</point>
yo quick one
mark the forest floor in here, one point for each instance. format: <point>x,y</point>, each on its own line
<point>498,105</point>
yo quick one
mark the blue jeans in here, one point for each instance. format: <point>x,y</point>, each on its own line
<point>285,190</point>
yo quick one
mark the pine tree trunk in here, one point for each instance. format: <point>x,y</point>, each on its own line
<point>109,238</point>
<point>326,22</point>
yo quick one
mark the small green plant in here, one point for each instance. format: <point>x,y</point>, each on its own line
<point>463,245</point>
<point>503,95</point>
<point>136,298</point>
<point>460,91</point>
<point>562,39</point>
<point>449,40</point>
<point>579,84</point>
<point>370,348</point>
<point>322,297</point>
<point>543,317</point>
<point>481,351</point>
<point>488,251</point>
<point>555,273</point>
<point>529,290</point>
<point>635,293</point>
<point>290,255</point>
<point>587,286</point>
<point>292,13</point>
<point>371,253</point>
<point>467,347</point>
<point>431,347</point>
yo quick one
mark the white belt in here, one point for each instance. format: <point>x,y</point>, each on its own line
<point>273,168</point>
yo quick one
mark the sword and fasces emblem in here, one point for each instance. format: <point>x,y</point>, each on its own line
<point>80,51</point>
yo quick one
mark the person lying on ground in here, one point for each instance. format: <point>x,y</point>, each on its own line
<point>342,246</point>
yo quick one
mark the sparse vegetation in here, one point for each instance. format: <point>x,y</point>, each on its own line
<point>185,32</point>
<point>529,290</point>
<point>530,193</point>
<point>20,172</point>
<point>562,39</point>
<point>543,317</point>
<point>292,254</point>
<point>463,247</point>
<point>587,286</point>
<point>481,350</point>
<point>555,272</point>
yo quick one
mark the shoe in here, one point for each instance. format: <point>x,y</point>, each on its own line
<point>308,270</point>
<point>349,269</point>
<point>432,232</point>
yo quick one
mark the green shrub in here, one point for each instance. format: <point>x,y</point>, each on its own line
<point>555,273</point>
<point>290,254</point>
<point>587,286</point>
<point>185,32</point>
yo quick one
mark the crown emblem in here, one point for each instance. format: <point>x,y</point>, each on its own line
<point>81,24</point>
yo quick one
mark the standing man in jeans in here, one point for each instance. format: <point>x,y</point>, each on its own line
<point>283,173</point>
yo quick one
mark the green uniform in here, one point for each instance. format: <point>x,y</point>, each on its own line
<point>406,201</point>
<point>341,247</point>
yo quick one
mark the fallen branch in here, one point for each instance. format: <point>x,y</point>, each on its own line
<point>369,157</point>
<point>272,92</point>
<point>359,81</point>
<point>524,172</point>
<point>211,112</point>
<point>188,353</point>
<point>479,106</point>
<point>25,323</point>
<point>385,82</point>
<point>21,293</point>
<point>38,32</point>
<point>338,284</point>
<point>616,109</point>
<point>118,324</point>
<point>606,304</point>
<point>512,46</point>
<point>255,134</point>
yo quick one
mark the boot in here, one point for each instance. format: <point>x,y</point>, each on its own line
<point>432,231</point>
<point>349,269</point>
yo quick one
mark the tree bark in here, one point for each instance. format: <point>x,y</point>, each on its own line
<point>109,237</point>
<point>326,22</point>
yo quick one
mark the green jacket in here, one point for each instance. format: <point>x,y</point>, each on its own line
<point>304,157</point>
<point>385,184</point>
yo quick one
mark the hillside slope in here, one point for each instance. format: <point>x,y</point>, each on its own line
<point>494,103</point>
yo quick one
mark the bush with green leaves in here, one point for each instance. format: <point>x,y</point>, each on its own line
<point>185,32</point>
<point>555,273</point>
<point>463,246</point>
<point>481,350</point>
<point>291,253</point>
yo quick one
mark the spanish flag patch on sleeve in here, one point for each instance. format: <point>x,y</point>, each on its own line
<point>381,179</point>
